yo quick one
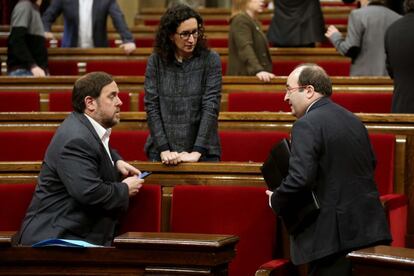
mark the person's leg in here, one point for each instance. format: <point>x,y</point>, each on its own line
<point>333,265</point>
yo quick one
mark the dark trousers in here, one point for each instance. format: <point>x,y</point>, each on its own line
<point>333,265</point>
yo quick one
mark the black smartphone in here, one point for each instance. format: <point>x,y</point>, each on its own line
<point>144,174</point>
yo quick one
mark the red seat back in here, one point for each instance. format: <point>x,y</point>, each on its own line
<point>332,68</point>
<point>16,101</point>
<point>244,146</point>
<point>364,102</point>
<point>257,101</point>
<point>241,211</point>
<point>118,67</point>
<point>24,145</point>
<point>144,211</point>
<point>130,144</point>
<point>62,101</point>
<point>63,67</point>
<point>14,201</point>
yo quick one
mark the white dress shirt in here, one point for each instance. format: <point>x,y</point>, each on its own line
<point>103,134</point>
<point>85,39</point>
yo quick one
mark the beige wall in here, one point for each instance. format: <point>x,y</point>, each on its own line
<point>130,9</point>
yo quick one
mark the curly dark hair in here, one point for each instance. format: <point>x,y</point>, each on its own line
<point>169,23</point>
<point>409,6</point>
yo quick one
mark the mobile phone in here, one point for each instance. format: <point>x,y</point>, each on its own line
<point>144,174</point>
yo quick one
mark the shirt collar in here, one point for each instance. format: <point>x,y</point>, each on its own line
<point>100,130</point>
<point>309,107</point>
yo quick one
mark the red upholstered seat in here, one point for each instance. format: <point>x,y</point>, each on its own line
<point>257,101</point>
<point>333,68</point>
<point>14,201</point>
<point>118,67</point>
<point>141,104</point>
<point>24,145</point>
<point>144,42</point>
<point>144,211</point>
<point>62,101</point>
<point>63,67</point>
<point>395,204</point>
<point>241,211</point>
<point>244,146</point>
<point>217,42</point>
<point>130,144</point>
<point>364,102</point>
<point>15,101</point>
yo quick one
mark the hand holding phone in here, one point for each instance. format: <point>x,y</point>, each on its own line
<point>144,174</point>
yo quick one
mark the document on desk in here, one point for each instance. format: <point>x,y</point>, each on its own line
<point>64,243</point>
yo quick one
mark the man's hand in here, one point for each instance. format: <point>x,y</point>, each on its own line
<point>128,47</point>
<point>126,169</point>
<point>170,157</point>
<point>190,157</point>
<point>134,184</point>
<point>265,76</point>
<point>331,30</point>
<point>269,193</point>
<point>37,71</point>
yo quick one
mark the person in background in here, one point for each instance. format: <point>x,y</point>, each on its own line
<point>248,47</point>
<point>364,42</point>
<point>26,45</point>
<point>399,45</point>
<point>182,91</point>
<point>296,23</point>
<point>85,23</point>
<point>79,194</point>
<point>332,156</point>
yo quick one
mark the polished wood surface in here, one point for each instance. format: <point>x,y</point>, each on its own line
<point>383,261</point>
<point>132,254</point>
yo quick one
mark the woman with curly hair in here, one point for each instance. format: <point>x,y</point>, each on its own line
<point>182,91</point>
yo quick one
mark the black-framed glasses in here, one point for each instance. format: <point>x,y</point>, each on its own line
<point>290,90</point>
<point>186,34</point>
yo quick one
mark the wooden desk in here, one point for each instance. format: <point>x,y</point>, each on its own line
<point>383,261</point>
<point>133,254</point>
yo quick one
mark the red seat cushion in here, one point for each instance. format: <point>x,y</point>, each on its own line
<point>144,211</point>
<point>241,211</point>
<point>130,144</point>
<point>14,201</point>
<point>16,101</point>
<point>257,101</point>
<point>244,146</point>
<point>62,101</point>
<point>118,67</point>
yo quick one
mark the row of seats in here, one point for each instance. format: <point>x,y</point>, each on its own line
<point>241,211</point>
<point>137,67</point>
<point>368,102</point>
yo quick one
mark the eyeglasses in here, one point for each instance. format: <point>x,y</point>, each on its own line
<point>186,34</point>
<point>290,90</point>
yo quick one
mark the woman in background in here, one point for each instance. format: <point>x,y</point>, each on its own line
<point>248,47</point>
<point>182,91</point>
<point>26,46</point>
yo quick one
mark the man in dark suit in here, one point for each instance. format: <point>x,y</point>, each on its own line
<point>85,23</point>
<point>79,194</point>
<point>331,155</point>
<point>399,45</point>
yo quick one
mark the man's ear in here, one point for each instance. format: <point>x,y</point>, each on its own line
<point>90,103</point>
<point>310,91</point>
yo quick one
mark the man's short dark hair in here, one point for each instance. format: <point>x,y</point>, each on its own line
<point>313,74</point>
<point>409,6</point>
<point>90,84</point>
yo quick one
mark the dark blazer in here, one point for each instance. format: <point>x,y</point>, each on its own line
<point>332,154</point>
<point>248,47</point>
<point>399,45</point>
<point>77,196</point>
<point>296,23</point>
<point>100,11</point>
